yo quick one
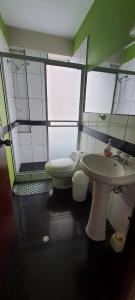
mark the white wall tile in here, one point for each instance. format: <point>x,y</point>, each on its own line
<point>36,109</point>
<point>25,139</point>
<point>102,125</point>
<point>26,154</point>
<point>8,76</point>
<point>45,151</point>
<point>93,118</point>
<point>18,66</point>
<point>85,119</point>
<point>130,132</point>
<point>11,108</point>
<point>37,133</point>
<point>44,109</point>
<point>90,146</point>
<point>131,110</point>
<point>42,85</point>
<point>83,142</point>
<point>38,153</point>
<point>34,86</point>
<point>117,126</point>
<point>33,67</point>
<point>24,128</point>
<point>22,109</point>
<point>99,147</point>
<point>20,86</point>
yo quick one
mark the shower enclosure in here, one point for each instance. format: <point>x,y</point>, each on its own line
<point>43,102</point>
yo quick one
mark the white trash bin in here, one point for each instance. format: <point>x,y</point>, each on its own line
<point>79,186</point>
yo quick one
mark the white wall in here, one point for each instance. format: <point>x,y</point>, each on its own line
<point>27,39</point>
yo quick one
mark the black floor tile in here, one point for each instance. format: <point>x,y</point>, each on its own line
<point>69,265</point>
<point>37,166</point>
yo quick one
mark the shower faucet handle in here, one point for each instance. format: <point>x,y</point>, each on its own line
<point>6,143</point>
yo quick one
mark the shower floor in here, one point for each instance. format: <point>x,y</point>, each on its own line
<point>37,166</point>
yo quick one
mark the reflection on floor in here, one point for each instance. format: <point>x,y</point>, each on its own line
<point>69,266</point>
<point>37,166</point>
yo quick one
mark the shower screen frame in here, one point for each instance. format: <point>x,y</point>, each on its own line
<point>48,123</point>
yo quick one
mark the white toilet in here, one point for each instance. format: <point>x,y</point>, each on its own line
<point>61,170</point>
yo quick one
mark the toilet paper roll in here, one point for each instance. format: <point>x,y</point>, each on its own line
<point>117,241</point>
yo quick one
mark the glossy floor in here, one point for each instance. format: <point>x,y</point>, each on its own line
<point>68,265</point>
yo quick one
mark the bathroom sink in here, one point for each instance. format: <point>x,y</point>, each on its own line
<point>107,170</point>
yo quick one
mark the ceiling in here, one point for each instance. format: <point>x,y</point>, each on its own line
<point>58,17</point>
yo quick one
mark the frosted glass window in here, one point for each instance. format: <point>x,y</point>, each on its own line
<point>99,92</point>
<point>62,141</point>
<point>63,90</point>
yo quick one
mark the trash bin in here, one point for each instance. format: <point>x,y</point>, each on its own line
<point>79,186</point>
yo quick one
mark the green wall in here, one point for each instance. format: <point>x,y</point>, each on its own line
<point>3,28</point>
<point>107,23</point>
<point>3,117</point>
<point>4,122</point>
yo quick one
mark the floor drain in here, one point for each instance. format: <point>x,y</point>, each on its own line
<point>45,238</point>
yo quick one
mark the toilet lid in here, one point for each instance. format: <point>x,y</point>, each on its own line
<point>61,163</point>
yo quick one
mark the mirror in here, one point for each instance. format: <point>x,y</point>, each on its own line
<point>110,89</point>
<point>124,100</point>
<point>99,92</point>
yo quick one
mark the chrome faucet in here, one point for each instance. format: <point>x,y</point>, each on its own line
<point>123,160</point>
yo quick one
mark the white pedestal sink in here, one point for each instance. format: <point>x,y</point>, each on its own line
<point>105,172</point>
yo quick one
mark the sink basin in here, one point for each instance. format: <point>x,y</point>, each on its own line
<point>107,170</point>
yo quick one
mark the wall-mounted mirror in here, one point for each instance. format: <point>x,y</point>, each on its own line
<point>124,100</point>
<point>99,92</point>
<point>111,87</point>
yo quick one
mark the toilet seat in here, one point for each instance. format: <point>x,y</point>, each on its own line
<point>60,164</point>
<point>62,169</point>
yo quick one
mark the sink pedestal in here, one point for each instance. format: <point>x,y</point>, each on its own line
<point>96,226</point>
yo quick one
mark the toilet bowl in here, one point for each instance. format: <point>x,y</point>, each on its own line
<point>61,170</point>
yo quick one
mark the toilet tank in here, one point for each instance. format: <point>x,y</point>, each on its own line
<point>75,156</point>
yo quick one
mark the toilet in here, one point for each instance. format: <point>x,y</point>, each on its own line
<point>61,170</point>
